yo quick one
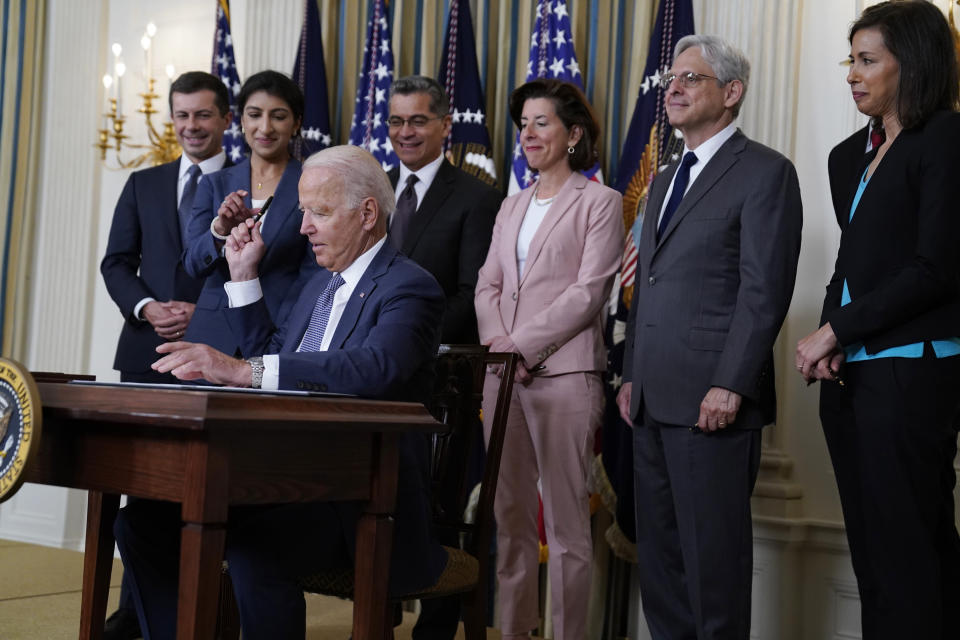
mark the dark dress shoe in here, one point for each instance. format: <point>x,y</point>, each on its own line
<point>122,625</point>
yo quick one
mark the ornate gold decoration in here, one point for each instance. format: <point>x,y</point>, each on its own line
<point>20,420</point>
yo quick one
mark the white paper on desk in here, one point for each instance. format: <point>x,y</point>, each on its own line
<point>208,387</point>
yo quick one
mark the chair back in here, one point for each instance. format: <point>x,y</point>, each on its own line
<point>459,458</point>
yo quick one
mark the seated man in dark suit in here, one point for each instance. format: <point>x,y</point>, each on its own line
<point>367,324</point>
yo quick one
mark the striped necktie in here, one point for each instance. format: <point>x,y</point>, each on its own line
<point>313,337</point>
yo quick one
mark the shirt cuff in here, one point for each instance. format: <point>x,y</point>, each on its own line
<point>240,294</point>
<point>140,305</point>
<point>271,372</point>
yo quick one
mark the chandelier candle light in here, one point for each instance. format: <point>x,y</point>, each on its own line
<point>161,148</point>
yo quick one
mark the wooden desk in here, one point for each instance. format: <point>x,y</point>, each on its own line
<point>212,449</point>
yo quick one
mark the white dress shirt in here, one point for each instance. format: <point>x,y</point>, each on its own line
<point>704,152</point>
<point>247,292</point>
<point>425,176</point>
<point>536,212</point>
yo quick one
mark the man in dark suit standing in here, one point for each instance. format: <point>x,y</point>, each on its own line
<point>444,217</point>
<point>142,268</point>
<point>716,269</point>
<point>443,222</point>
<point>366,324</point>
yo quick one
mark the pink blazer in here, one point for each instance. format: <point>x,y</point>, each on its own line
<point>553,312</point>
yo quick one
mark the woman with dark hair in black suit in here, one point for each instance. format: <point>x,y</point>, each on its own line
<point>888,345</point>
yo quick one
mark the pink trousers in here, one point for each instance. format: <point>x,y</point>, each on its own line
<point>550,436</point>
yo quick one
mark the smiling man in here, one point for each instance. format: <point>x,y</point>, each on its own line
<point>366,324</point>
<point>717,261</point>
<point>142,268</point>
<point>444,216</point>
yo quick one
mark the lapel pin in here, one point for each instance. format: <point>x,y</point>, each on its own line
<point>362,294</point>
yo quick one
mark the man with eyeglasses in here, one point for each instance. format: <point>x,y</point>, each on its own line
<point>717,261</point>
<point>444,217</point>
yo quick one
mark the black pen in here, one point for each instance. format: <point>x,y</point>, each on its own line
<point>263,210</point>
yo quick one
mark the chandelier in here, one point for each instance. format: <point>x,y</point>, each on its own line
<point>160,147</point>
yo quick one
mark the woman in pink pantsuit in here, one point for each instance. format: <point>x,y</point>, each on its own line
<point>556,247</point>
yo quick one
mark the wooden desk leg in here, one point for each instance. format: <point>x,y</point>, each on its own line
<point>372,572</point>
<point>375,543</point>
<point>97,562</point>
<point>201,555</point>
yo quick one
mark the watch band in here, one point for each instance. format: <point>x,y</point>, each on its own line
<point>256,372</point>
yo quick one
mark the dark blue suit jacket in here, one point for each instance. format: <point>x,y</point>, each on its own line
<point>383,347</point>
<point>143,260</point>
<point>288,257</point>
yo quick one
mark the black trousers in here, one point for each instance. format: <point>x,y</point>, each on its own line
<point>892,436</point>
<point>694,529</point>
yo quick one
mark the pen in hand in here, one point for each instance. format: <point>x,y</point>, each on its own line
<point>263,209</point>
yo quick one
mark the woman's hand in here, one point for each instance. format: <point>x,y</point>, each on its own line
<point>819,355</point>
<point>232,212</point>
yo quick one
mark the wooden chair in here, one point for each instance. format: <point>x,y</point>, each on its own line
<point>458,392</point>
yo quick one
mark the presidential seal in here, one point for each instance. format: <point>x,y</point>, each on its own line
<point>20,418</point>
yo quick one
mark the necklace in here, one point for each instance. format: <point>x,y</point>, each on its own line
<point>545,201</point>
<point>259,186</point>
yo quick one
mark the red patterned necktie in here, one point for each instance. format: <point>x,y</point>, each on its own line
<point>877,137</point>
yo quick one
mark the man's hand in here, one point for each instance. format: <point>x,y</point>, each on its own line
<point>819,355</point>
<point>190,361</point>
<point>718,409</point>
<point>623,401</point>
<point>244,249</point>
<point>232,212</point>
<point>169,319</point>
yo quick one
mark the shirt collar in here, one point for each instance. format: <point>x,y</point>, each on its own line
<point>211,164</point>
<point>710,146</point>
<point>425,174</point>
<point>352,274</point>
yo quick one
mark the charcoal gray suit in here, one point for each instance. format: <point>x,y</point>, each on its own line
<point>710,296</point>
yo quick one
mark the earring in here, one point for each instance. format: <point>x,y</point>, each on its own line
<point>570,149</point>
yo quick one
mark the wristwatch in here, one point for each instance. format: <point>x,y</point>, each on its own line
<point>256,371</point>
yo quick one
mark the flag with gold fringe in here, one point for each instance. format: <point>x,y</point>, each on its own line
<point>468,145</point>
<point>310,74</point>
<point>372,107</point>
<point>648,145</point>
<point>224,66</point>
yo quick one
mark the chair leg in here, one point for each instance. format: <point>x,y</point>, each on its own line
<point>228,618</point>
<point>474,616</point>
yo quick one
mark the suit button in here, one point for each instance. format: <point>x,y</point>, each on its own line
<point>514,296</point>
<point>207,260</point>
<point>323,387</point>
<point>652,280</point>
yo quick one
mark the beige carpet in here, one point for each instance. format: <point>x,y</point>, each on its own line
<point>40,598</point>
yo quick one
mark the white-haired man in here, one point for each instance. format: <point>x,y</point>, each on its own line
<point>367,325</point>
<point>715,273</point>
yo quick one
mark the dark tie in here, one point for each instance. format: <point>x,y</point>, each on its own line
<point>679,187</point>
<point>877,137</point>
<point>186,200</point>
<point>403,215</point>
<point>313,336</point>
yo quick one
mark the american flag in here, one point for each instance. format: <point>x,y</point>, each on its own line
<point>372,108</point>
<point>649,144</point>
<point>224,65</point>
<point>552,55</point>
<point>310,73</point>
<point>468,145</point>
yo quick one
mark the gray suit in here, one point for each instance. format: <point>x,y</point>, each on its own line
<point>709,299</point>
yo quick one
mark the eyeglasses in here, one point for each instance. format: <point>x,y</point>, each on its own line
<point>417,122</point>
<point>687,80</point>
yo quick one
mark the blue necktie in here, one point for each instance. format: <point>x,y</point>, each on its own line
<point>313,337</point>
<point>186,200</point>
<point>680,182</point>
